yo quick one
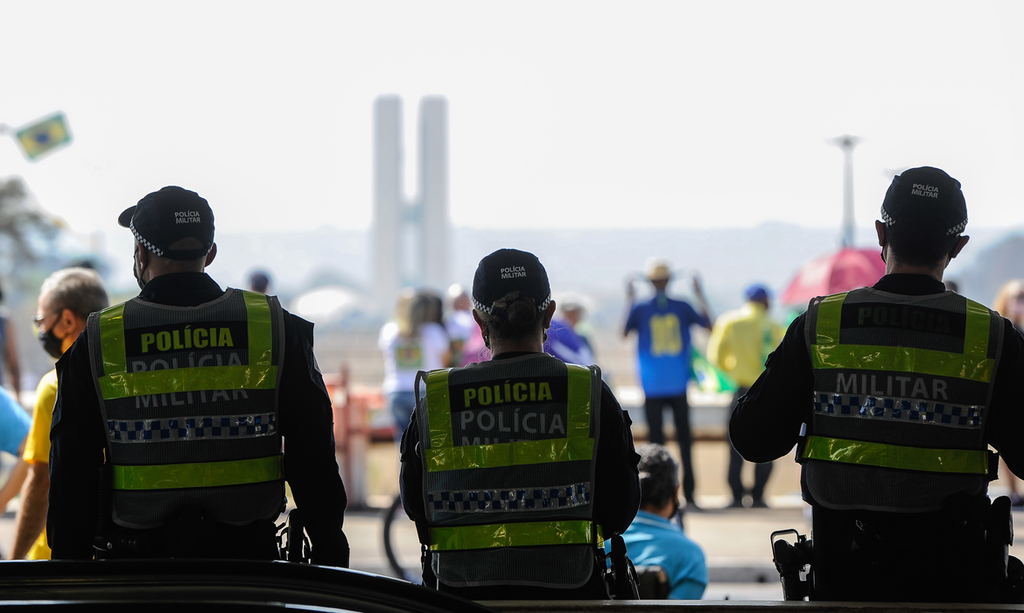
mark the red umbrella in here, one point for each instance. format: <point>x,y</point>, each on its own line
<point>841,271</point>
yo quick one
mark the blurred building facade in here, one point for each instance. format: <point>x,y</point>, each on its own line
<point>410,236</point>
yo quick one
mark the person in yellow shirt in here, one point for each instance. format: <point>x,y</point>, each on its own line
<point>66,299</point>
<point>740,342</point>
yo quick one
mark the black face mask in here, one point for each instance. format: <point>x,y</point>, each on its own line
<point>51,344</point>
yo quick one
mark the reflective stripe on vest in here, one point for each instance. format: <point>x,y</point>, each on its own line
<point>200,474</point>
<point>444,455</point>
<point>973,364</point>
<point>259,373</point>
<point>846,451</point>
<point>522,534</point>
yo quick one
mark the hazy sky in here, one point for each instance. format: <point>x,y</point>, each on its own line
<point>562,114</point>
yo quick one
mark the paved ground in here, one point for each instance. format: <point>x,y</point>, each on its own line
<point>736,543</point>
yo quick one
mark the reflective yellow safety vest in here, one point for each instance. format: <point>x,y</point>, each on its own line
<point>902,385</point>
<point>509,450</point>
<point>189,399</point>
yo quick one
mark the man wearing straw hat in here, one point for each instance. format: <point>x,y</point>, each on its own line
<point>663,325</point>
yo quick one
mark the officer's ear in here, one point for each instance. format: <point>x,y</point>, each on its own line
<point>479,321</point>
<point>882,239</point>
<point>142,255</point>
<point>880,231</point>
<point>549,314</point>
<point>210,256</point>
<point>961,242</point>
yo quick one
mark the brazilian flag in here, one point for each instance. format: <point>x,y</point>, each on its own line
<point>709,377</point>
<point>44,136</point>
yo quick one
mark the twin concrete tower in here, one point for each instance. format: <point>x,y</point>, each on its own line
<point>411,238</point>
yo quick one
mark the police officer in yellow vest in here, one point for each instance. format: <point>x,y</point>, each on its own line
<point>190,393</point>
<point>514,469</point>
<point>899,390</point>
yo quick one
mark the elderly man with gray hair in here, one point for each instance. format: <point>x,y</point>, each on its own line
<point>66,299</point>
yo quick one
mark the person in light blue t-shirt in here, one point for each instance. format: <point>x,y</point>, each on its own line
<point>14,423</point>
<point>654,539</point>
<point>14,426</point>
<point>663,354</point>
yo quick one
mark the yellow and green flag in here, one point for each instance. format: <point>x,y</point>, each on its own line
<point>709,377</point>
<point>43,136</point>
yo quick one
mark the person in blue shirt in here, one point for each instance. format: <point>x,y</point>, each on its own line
<point>14,426</point>
<point>563,341</point>
<point>663,325</point>
<point>653,538</point>
<point>14,423</point>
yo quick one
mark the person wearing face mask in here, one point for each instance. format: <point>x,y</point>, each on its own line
<point>191,391</point>
<point>66,299</point>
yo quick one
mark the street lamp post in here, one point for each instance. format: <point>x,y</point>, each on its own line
<point>847,144</point>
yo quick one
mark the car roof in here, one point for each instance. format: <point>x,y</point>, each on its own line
<point>227,584</point>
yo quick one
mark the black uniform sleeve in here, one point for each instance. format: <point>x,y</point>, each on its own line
<point>1005,423</point>
<point>311,467</point>
<point>411,478</point>
<point>77,443</point>
<point>765,424</point>
<point>617,485</point>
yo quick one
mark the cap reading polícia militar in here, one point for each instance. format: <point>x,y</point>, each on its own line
<point>510,270</point>
<point>928,198</point>
<point>165,217</point>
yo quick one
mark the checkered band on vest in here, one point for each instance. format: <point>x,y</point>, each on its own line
<point>524,499</point>
<point>192,428</point>
<point>898,409</point>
